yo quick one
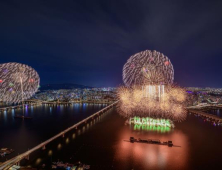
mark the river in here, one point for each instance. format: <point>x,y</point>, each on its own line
<point>101,142</point>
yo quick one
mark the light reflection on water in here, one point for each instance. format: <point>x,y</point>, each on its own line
<point>5,115</point>
<point>31,109</point>
<point>161,129</point>
<point>67,140</point>
<point>38,161</point>
<point>153,156</point>
<point>103,145</point>
<point>59,146</point>
<point>46,121</point>
<point>50,153</point>
<point>13,112</point>
<point>217,112</point>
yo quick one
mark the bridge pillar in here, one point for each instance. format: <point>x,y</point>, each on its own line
<point>63,135</point>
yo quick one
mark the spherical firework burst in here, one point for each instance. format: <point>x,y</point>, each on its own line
<point>148,67</point>
<point>18,82</point>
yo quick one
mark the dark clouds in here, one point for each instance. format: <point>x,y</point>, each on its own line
<point>87,42</point>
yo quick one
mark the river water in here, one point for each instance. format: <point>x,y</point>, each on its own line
<point>101,142</point>
<point>46,122</point>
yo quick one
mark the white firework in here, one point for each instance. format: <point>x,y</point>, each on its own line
<point>18,82</point>
<point>148,67</point>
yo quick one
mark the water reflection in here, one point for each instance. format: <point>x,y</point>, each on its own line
<point>103,145</point>
<point>47,120</point>
<point>50,153</point>
<point>161,129</point>
<point>26,108</point>
<point>145,156</point>
<point>5,115</point>
<point>79,132</point>
<point>217,112</point>
<point>13,112</point>
<point>83,129</point>
<point>67,140</point>
<point>38,161</point>
<point>153,156</point>
<point>63,148</point>
<point>61,107</point>
<point>59,146</point>
<point>84,106</point>
<point>31,109</point>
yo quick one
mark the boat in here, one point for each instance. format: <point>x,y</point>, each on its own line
<point>151,141</point>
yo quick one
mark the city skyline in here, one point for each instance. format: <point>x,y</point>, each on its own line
<point>88,43</point>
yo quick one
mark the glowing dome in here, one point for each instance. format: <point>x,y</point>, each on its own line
<point>18,82</point>
<point>148,67</point>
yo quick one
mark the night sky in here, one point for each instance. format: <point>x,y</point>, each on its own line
<point>88,41</point>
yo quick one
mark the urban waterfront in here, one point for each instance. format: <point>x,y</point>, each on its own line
<point>100,143</point>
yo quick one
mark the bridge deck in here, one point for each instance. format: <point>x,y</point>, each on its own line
<point>198,112</point>
<point>20,105</point>
<point>11,162</point>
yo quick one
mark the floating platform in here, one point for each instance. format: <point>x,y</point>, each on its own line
<point>151,141</point>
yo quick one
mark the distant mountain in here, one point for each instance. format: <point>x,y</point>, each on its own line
<point>62,86</point>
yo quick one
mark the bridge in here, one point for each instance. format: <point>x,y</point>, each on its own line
<point>210,116</point>
<point>209,106</point>
<point>39,102</point>
<point>32,103</point>
<point>16,160</point>
<point>80,101</point>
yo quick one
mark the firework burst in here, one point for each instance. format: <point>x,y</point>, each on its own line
<point>170,105</point>
<point>18,82</point>
<point>149,67</point>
